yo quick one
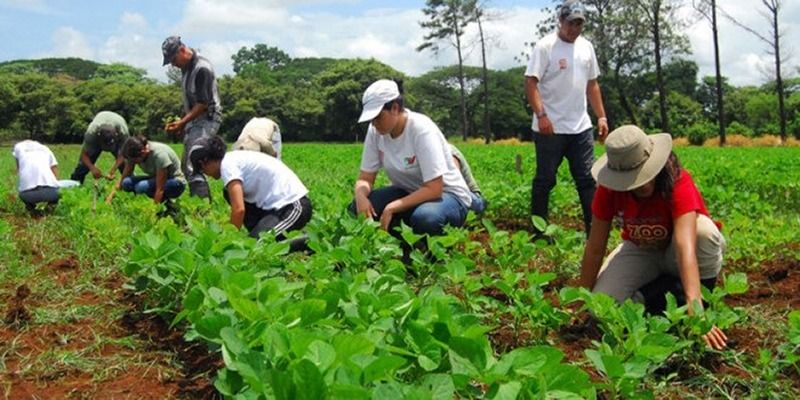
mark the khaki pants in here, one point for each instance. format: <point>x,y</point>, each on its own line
<point>630,267</point>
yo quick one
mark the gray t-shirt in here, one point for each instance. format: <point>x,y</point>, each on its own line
<point>466,171</point>
<point>162,157</point>
<point>92,141</point>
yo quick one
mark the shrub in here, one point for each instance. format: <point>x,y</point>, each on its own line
<point>738,128</point>
<point>699,132</point>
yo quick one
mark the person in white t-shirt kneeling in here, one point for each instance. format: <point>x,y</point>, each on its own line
<point>427,190</point>
<point>264,194</point>
<point>38,175</point>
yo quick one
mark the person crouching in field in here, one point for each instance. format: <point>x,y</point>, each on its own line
<point>164,179</point>
<point>666,229</point>
<point>427,191</point>
<point>478,202</point>
<point>264,194</point>
<point>38,175</point>
<point>107,132</point>
<point>260,134</point>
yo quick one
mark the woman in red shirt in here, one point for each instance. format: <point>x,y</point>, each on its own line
<point>666,228</point>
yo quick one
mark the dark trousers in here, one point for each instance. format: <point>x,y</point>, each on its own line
<point>143,184</point>
<point>578,149</point>
<point>81,170</point>
<point>39,194</point>
<point>290,217</point>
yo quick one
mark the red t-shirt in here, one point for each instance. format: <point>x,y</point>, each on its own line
<point>649,222</point>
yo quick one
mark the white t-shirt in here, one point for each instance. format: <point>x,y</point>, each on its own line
<point>266,181</point>
<point>563,70</point>
<point>34,160</point>
<point>421,153</point>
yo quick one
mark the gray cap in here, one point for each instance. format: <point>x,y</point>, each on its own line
<point>572,10</point>
<point>170,48</point>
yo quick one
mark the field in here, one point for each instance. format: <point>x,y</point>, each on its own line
<point>111,301</point>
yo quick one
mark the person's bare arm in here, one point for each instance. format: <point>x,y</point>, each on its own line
<point>236,195</point>
<point>361,191</point>
<point>537,106</point>
<point>596,101</point>
<point>594,252</point>
<point>685,237</point>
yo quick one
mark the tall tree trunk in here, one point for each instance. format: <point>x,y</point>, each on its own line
<point>462,100</point>
<point>487,127</point>
<point>778,77</point>
<point>662,92</point>
<point>623,98</point>
<point>720,104</point>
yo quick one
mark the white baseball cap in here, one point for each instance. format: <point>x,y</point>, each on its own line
<point>376,96</point>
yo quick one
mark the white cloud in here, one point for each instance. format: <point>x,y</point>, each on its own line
<point>69,42</point>
<point>743,57</point>
<point>389,35</point>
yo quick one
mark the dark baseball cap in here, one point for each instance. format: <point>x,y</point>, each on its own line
<point>170,48</point>
<point>572,10</point>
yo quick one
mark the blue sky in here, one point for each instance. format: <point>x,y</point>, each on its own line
<point>131,31</point>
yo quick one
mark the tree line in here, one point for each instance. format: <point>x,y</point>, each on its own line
<point>647,79</point>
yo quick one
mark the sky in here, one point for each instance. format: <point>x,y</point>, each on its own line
<point>131,32</point>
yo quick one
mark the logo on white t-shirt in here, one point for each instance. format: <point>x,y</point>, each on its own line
<point>409,162</point>
<point>562,63</point>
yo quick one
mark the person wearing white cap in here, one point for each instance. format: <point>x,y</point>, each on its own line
<point>427,190</point>
<point>670,243</point>
<point>561,76</point>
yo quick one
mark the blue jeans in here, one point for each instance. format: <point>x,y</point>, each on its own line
<point>147,185</point>
<point>478,202</point>
<point>429,217</point>
<point>550,151</point>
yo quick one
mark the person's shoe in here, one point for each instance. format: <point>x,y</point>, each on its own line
<point>299,243</point>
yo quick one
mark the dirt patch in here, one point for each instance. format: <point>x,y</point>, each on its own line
<point>776,285</point>
<point>65,269</point>
<point>17,315</point>
<point>199,365</point>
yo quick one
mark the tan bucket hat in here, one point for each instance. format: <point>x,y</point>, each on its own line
<point>632,158</point>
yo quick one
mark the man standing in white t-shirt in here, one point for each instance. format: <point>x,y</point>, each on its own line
<point>561,75</point>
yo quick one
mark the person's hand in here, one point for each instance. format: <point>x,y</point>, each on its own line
<point>110,175</point>
<point>602,129</point>
<point>387,215</point>
<point>96,173</point>
<point>175,128</point>
<point>715,338</point>
<point>364,207</point>
<point>545,125</point>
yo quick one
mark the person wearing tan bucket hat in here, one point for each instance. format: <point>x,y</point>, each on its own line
<point>670,243</point>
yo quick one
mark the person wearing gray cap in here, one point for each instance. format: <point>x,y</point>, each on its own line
<point>561,75</point>
<point>106,132</point>
<point>202,111</point>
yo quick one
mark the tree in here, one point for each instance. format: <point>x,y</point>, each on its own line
<point>663,25</point>
<point>270,56</point>
<point>447,20</point>
<point>708,9</point>
<point>773,40</point>
<point>342,86</point>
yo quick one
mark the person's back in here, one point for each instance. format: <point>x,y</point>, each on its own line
<point>34,163</point>
<point>260,134</point>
